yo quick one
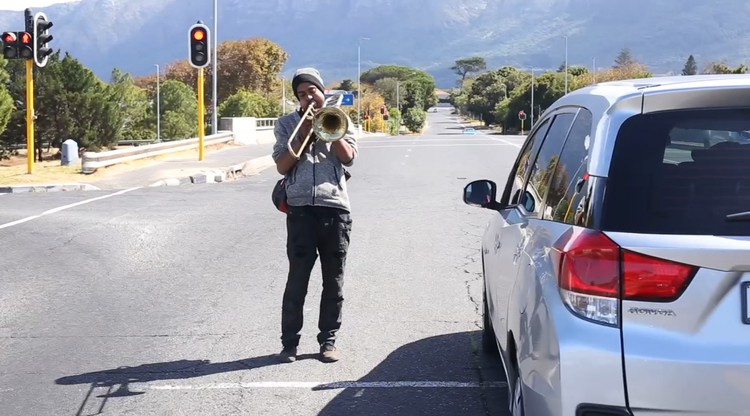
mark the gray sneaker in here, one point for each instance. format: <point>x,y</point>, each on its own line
<point>329,353</point>
<point>288,355</point>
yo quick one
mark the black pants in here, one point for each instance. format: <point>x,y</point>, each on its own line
<point>313,231</point>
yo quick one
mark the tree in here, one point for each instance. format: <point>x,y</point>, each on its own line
<point>690,66</point>
<point>485,92</point>
<point>723,68</point>
<point>347,85</point>
<point>465,66</point>
<point>387,87</point>
<point>248,104</point>
<point>252,64</point>
<point>179,111</point>
<point>137,117</point>
<point>414,119</point>
<point>6,103</point>
<point>405,74</point>
<point>624,60</point>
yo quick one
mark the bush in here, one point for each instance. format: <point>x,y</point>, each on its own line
<point>414,119</point>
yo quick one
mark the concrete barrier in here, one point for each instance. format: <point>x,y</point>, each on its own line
<point>249,130</point>
<point>95,160</point>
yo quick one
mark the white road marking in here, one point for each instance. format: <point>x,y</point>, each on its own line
<point>507,142</point>
<point>417,141</point>
<point>64,207</point>
<point>439,145</point>
<point>328,386</point>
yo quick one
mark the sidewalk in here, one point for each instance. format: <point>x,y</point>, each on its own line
<point>217,166</point>
<point>229,163</point>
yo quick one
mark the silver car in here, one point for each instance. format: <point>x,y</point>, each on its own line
<point>617,265</point>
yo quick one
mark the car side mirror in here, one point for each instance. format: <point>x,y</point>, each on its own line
<point>480,193</point>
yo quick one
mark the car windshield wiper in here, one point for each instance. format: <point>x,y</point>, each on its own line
<point>739,216</point>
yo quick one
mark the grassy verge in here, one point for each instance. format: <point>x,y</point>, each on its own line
<point>15,170</point>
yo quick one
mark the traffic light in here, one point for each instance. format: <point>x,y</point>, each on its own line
<point>17,45</point>
<point>25,47</point>
<point>198,45</point>
<point>10,45</point>
<point>42,38</point>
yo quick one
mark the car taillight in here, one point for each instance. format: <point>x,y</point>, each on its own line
<point>654,280</point>
<point>594,271</point>
<point>589,274</point>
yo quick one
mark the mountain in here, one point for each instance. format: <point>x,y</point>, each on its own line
<point>133,35</point>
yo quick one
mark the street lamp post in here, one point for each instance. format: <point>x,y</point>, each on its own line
<point>531,126</point>
<point>158,109</point>
<point>214,116</point>
<point>359,82</point>
<point>566,65</point>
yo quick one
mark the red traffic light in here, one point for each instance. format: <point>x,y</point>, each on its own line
<point>199,35</point>
<point>9,37</point>
<point>26,38</point>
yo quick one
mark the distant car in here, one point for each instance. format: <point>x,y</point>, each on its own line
<point>469,130</point>
<point>615,267</point>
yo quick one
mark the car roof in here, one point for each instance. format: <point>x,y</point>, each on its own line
<point>613,91</point>
<point>613,102</point>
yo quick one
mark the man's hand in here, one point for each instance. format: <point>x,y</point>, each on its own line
<point>344,151</point>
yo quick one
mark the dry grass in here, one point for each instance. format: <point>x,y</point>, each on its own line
<point>15,170</point>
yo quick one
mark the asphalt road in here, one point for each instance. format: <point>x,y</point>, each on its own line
<point>156,301</point>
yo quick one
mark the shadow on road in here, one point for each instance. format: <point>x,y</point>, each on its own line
<point>454,358</point>
<point>117,381</point>
<point>440,375</point>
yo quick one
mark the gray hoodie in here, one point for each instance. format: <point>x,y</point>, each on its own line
<point>318,177</point>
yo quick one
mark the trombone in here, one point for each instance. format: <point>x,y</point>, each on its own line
<point>329,124</point>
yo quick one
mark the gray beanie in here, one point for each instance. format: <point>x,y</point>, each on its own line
<point>310,75</point>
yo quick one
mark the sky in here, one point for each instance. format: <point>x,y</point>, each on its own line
<point>23,4</point>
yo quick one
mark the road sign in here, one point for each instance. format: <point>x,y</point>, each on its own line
<point>521,115</point>
<point>347,100</point>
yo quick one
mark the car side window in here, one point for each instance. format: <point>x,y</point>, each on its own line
<point>545,163</point>
<point>566,190</point>
<point>524,158</point>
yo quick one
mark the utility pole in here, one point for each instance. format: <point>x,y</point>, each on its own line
<point>158,109</point>
<point>359,82</point>
<point>398,97</point>
<point>593,70</point>
<point>214,116</point>
<point>531,125</point>
<point>566,66</point>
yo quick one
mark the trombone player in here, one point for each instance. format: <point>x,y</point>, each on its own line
<point>318,221</point>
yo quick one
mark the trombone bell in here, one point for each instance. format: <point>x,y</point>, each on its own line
<point>330,124</point>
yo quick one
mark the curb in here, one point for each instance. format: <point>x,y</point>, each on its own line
<point>230,173</point>
<point>66,187</point>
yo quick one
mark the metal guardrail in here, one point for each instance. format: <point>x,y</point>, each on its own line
<point>95,160</point>
<point>265,123</point>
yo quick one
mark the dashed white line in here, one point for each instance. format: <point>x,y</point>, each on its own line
<point>507,142</point>
<point>64,207</point>
<point>328,386</point>
<point>439,145</point>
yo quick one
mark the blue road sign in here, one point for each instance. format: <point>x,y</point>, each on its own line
<point>347,100</point>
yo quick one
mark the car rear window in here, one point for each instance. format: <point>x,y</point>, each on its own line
<point>680,172</point>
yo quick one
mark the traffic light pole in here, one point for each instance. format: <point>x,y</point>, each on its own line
<point>30,114</point>
<point>201,111</point>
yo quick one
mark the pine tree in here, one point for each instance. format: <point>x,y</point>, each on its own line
<point>691,68</point>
